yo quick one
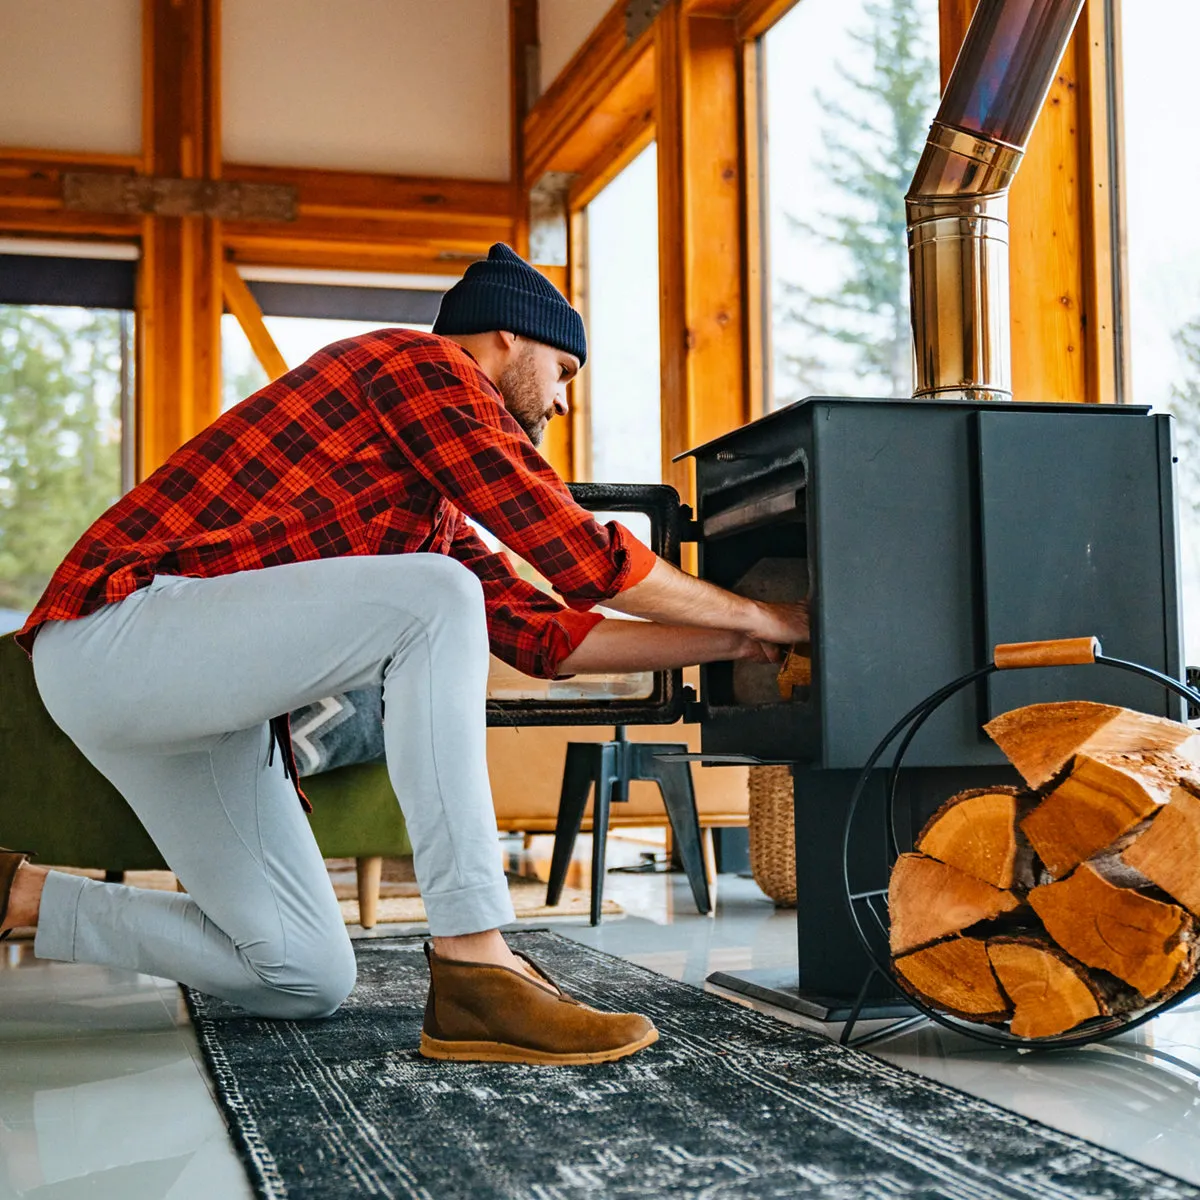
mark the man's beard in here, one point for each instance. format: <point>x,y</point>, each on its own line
<point>522,395</point>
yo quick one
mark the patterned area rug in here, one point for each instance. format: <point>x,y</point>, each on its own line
<point>729,1103</point>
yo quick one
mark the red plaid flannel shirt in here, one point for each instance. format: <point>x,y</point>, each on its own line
<point>380,444</point>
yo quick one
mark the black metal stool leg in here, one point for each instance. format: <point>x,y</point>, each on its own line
<point>674,780</point>
<point>581,770</point>
<point>601,805</point>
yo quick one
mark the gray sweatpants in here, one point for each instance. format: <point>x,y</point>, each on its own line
<point>169,692</point>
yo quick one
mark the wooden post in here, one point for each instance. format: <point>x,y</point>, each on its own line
<point>702,250</point>
<point>179,292</point>
<point>524,68</point>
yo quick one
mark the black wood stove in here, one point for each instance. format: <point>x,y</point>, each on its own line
<point>922,534</point>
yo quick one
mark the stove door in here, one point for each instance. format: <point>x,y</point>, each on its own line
<point>653,513</point>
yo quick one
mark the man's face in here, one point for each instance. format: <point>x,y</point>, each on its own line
<point>534,385</point>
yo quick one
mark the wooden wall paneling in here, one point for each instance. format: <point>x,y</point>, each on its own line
<point>1061,254</point>
<point>702,252</point>
<point>241,303</point>
<point>179,284</point>
<point>1046,249</point>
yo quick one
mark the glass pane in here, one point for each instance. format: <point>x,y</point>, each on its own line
<point>298,338</point>
<point>65,379</point>
<point>1163,278</point>
<point>622,314</point>
<point>851,86</point>
<point>507,683</point>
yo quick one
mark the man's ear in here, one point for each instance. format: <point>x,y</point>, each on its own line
<point>507,340</point>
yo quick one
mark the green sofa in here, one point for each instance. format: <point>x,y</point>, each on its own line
<point>55,803</point>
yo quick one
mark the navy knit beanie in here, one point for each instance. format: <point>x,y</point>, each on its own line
<point>505,292</point>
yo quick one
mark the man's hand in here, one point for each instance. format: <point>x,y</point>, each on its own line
<point>780,624</point>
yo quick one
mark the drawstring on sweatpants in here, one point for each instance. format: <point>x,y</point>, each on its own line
<point>281,736</point>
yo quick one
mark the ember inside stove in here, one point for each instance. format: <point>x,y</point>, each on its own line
<point>922,534</point>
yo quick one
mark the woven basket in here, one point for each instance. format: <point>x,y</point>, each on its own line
<point>773,833</point>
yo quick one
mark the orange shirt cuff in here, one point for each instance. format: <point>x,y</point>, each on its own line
<point>641,558</point>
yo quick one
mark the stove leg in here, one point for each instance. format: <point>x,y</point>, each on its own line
<point>679,796</point>
<point>600,810</point>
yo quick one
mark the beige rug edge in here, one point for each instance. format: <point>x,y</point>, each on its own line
<point>528,898</point>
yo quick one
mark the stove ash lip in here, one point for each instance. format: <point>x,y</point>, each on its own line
<point>957,204</point>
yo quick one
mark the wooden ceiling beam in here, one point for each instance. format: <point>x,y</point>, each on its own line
<point>607,85</point>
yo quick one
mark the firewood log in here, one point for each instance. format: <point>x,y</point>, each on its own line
<point>957,978</point>
<point>929,900</point>
<point>1168,852</point>
<point>1146,943</point>
<point>1040,739</point>
<point>1051,992</point>
<point>1094,803</point>
<point>977,832</point>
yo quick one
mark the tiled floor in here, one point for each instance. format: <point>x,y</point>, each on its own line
<point>102,1093</point>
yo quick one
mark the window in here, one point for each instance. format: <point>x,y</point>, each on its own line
<point>66,394</point>
<point>305,311</point>
<point>621,309</point>
<point>1162,280</point>
<point>850,89</point>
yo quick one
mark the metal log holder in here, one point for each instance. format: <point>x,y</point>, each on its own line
<point>868,909</point>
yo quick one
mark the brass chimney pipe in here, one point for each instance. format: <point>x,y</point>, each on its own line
<point>957,203</point>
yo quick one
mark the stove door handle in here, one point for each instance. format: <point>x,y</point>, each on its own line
<point>1062,652</point>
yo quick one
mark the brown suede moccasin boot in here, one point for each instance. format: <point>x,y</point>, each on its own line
<point>480,1013</point>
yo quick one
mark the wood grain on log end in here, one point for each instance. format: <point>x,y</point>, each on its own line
<point>1141,941</point>
<point>957,978</point>
<point>1091,807</point>
<point>1169,851</point>
<point>1050,992</point>
<point>1040,739</point>
<point>976,831</point>
<point>929,900</point>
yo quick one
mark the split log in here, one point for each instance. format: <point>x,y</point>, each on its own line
<point>1169,851</point>
<point>1144,942</point>
<point>1051,992</point>
<point>957,978</point>
<point>1040,739</point>
<point>929,900</point>
<point>977,832</point>
<point>1094,804</point>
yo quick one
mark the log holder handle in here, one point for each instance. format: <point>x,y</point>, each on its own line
<point>868,909</point>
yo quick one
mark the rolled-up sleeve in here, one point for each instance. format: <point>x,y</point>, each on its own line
<point>445,416</point>
<point>527,627</point>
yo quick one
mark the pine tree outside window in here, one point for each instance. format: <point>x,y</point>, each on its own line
<point>851,87</point>
<point>65,384</point>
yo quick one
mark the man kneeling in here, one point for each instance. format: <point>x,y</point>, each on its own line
<point>316,539</point>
